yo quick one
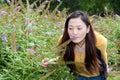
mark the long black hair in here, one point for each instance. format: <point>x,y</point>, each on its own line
<point>91,61</point>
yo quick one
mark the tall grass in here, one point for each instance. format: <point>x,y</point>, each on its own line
<point>29,35</point>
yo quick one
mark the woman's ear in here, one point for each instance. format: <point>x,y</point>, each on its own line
<point>88,29</point>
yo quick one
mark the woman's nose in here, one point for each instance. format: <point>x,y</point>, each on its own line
<point>74,31</point>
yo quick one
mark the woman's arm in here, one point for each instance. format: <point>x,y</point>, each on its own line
<point>102,45</point>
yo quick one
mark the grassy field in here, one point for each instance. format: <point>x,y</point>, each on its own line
<point>29,35</point>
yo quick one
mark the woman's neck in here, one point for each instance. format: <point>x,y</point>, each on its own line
<point>80,47</point>
<point>81,43</point>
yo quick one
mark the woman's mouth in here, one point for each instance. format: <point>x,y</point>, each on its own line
<point>73,36</point>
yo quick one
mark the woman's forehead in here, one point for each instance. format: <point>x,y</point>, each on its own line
<point>76,21</point>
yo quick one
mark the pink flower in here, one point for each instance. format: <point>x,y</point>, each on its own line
<point>4,37</point>
<point>31,51</point>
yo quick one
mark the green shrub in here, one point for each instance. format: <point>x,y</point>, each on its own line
<point>29,35</point>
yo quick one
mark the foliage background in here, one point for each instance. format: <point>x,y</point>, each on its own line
<point>91,6</point>
<point>29,33</point>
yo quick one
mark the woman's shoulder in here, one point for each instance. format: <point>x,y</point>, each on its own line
<point>101,40</point>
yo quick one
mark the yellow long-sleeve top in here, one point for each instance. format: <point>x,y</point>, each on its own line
<point>80,58</point>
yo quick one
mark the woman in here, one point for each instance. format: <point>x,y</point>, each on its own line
<point>87,48</point>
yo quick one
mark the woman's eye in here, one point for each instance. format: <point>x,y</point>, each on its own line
<point>70,28</point>
<point>79,28</point>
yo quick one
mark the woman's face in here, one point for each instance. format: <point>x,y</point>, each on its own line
<point>77,29</point>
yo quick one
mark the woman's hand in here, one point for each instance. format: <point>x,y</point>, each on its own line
<point>45,62</point>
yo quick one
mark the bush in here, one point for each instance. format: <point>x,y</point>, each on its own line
<point>27,36</point>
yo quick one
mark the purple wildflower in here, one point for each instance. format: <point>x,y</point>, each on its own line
<point>8,1</point>
<point>31,51</point>
<point>116,15</point>
<point>63,30</point>
<point>110,69</point>
<point>43,6</point>
<point>27,21</point>
<point>17,47</point>
<point>46,0</point>
<point>30,31</point>
<point>17,9</point>
<point>15,1</point>
<point>58,24</point>
<point>4,37</point>
<point>10,15</point>
<point>32,5</point>
<point>2,12</point>
<point>58,0</point>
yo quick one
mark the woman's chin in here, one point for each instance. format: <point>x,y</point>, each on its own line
<point>75,41</point>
